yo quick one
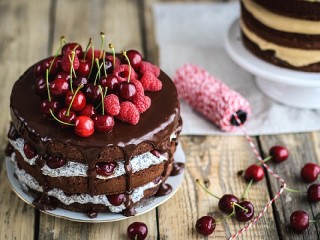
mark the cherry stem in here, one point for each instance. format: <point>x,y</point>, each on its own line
<point>136,237</point>
<point>244,194</point>
<point>102,97</point>
<point>62,39</point>
<point>265,160</point>
<point>105,91</point>
<point>205,189</point>
<point>113,54</point>
<point>47,82</point>
<point>87,48</point>
<point>73,97</point>
<point>71,69</point>
<point>92,61</point>
<point>69,124</point>
<point>292,190</point>
<point>228,216</point>
<point>124,53</point>
<point>98,72</point>
<point>312,221</point>
<point>104,63</point>
<point>102,43</point>
<point>239,206</point>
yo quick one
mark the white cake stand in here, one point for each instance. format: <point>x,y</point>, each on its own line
<point>294,88</point>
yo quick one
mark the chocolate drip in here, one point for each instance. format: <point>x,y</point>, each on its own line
<point>177,168</point>
<point>9,150</point>
<point>13,133</point>
<point>44,202</point>
<point>164,190</point>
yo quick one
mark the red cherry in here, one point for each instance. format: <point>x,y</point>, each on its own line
<point>135,59</point>
<point>299,221</point>
<point>254,172</point>
<point>105,169</point>
<point>84,126</point>
<point>241,214</point>
<point>155,153</point>
<point>59,87</point>
<point>103,123</point>
<point>55,66</point>
<point>107,66</point>
<point>88,110</point>
<point>63,75</point>
<point>279,154</point>
<point>89,56</point>
<point>46,106</point>
<point>111,82</point>
<point>79,81</point>
<point>62,115</point>
<point>205,225</point>
<point>226,203</point>
<point>41,86</point>
<point>313,193</point>
<point>39,70</point>
<point>72,46</point>
<point>92,92</point>
<point>55,162</point>
<point>117,199</point>
<point>127,90</point>
<point>137,231</point>
<point>84,68</point>
<point>29,151</point>
<point>79,100</point>
<point>310,172</point>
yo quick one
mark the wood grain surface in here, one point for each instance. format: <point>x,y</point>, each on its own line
<point>31,31</point>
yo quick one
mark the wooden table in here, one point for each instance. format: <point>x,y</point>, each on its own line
<point>30,31</point>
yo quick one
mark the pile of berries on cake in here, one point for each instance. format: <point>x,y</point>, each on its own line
<point>91,90</point>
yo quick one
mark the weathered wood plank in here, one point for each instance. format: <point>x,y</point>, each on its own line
<point>23,40</point>
<point>303,148</point>
<point>215,160</point>
<point>120,22</point>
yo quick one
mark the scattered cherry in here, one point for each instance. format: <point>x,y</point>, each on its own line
<point>117,199</point>
<point>205,225</point>
<point>105,169</point>
<point>88,110</point>
<point>134,57</point>
<point>84,126</point>
<point>29,151</point>
<point>137,231</point>
<point>46,106</point>
<point>127,90</point>
<point>59,87</point>
<point>310,172</point>
<point>244,215</point>
<point>92,92</point>
<point>299,221</point>
<point>55,162</point>
<point>313,193</point>
<point>226,203</point>
<point>254,172</point>
<point>79,101</point>
<point>279,154</point>
<point>103,123</point>
<point>65,117</point>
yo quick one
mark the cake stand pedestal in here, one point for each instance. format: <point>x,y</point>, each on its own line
<point>290,87</point>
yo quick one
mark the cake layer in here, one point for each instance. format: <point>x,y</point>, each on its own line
<point>283,38</point>
<point>269,56</point>
<point>304,9</point>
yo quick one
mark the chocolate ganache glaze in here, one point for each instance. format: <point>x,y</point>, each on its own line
<point>153,131</point>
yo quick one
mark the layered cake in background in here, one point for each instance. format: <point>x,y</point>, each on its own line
<point>99,141</point>
<point>283,32</point>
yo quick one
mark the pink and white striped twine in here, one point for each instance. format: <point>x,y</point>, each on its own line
<point>218,103</point>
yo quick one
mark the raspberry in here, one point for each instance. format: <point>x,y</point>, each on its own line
<point>122,73</point>
<point>142,103</point>
<point>138,85</point>
<point>129,113</point>
<point>112,104</point>
<point>149,67</point>
<point>150,82</point>
<point>66,62</point>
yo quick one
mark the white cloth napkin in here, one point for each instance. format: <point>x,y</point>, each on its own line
<point>195,33</point>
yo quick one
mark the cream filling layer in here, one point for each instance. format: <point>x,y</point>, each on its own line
<point>293,56</point>
<point>27,180</point>
<point>282,23</point>
<point>75,169</point>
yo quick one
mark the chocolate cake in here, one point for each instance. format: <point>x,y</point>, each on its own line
<point>283,32</point>
<point>94,168</point>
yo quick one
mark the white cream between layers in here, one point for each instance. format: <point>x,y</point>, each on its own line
<point>282,23</point>
<point>293,56</point>
<point>74,169</point>
<point>27,180</point>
